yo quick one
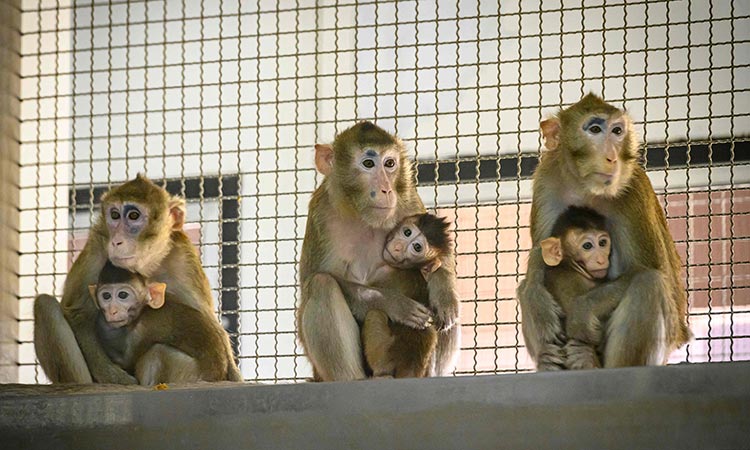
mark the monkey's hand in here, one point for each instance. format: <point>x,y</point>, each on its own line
<point>584,323</point>
<point>402,309</point>
<point>446,314</point>
<point>542,325</point>
<point>398,307</point>
<point>584,326</point>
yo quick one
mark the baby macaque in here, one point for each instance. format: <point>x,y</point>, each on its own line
<point>577,259</point>
<point>418,242</point>
<point>164,342</point>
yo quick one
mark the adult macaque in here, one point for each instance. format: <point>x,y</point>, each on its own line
<point>592,161</point>
<point>140,229</point>
<point>166,342</point>
<point>392,349</point>
<point>577,256</point>
<point>368,188</point>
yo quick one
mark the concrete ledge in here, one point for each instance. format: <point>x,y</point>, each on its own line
<point>687,406</point>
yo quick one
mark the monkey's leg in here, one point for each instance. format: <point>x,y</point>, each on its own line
<point>56,346</point>
<point>413,351</point>
<point>542,317</point>
<point>164,364</point>
<point>377,341</point>
<point>636,333</point>
<point>233,371</point>
<point>329,331</point>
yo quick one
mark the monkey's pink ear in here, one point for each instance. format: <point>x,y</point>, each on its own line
<point>551,251</point>
<point>551,132</point>
<point>177,211</point>
<point>92,291</point>
<point>430,267</point>
<point>156,294</point>
<point>324,158</point>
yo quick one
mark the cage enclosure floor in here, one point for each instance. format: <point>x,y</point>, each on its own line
<point>679,406</point>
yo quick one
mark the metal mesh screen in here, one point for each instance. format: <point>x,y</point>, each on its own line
<point>223,102</point>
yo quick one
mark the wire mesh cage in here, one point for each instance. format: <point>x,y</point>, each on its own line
<point>222,102</point>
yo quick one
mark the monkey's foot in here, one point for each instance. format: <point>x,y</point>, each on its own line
<point>581,356</point>
<point>551,358</point>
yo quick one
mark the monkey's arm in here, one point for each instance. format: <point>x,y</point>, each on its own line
<point>542,317</point>
<point>590,309</point>
<point>397,306</point>
<point>442,294</point>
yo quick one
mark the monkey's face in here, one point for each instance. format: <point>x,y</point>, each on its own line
<point>598,144</point>
<point>368,175</point>
<point>140,217</point>
<point>590,249</point>
<point>126,222</point>
<point>601,167</point>
<point>371,182</point>
<point>121,303</point>
<point>406,247</point>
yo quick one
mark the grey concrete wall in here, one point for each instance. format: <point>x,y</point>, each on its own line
<point>702,406</point>
<point>10,84</point>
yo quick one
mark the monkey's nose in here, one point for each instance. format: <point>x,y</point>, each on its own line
<point>117,244</point>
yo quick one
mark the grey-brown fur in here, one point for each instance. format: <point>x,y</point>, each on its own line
<point>343,244</point>
<point>651,319</point>
<point>165,254</point>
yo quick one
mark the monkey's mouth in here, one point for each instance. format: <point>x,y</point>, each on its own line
<point>601,273</point>
<point>121,259</point>
<point>390,259</point>
<point>117,323</point>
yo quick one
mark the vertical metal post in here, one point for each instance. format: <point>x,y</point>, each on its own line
<point>10,169</point>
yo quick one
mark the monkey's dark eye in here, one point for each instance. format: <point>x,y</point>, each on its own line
<point>596,129</point>
<point>368,163</point>
<point>122,294</point>
<point>114,214</point>
<point>134,215</point>
<point>602,243</point>
<point>407,232</point>
<point>588,245</point>
<point>389,163</point>
<point>106,295</point>
<point>417,247</point>
<point>617,130</point>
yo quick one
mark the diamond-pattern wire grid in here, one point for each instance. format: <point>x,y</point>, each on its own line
<point>223,102</point>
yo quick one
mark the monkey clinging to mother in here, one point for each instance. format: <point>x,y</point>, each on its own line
<point>140,229</point>
<point>592,161</point>
<point>368,188</point>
